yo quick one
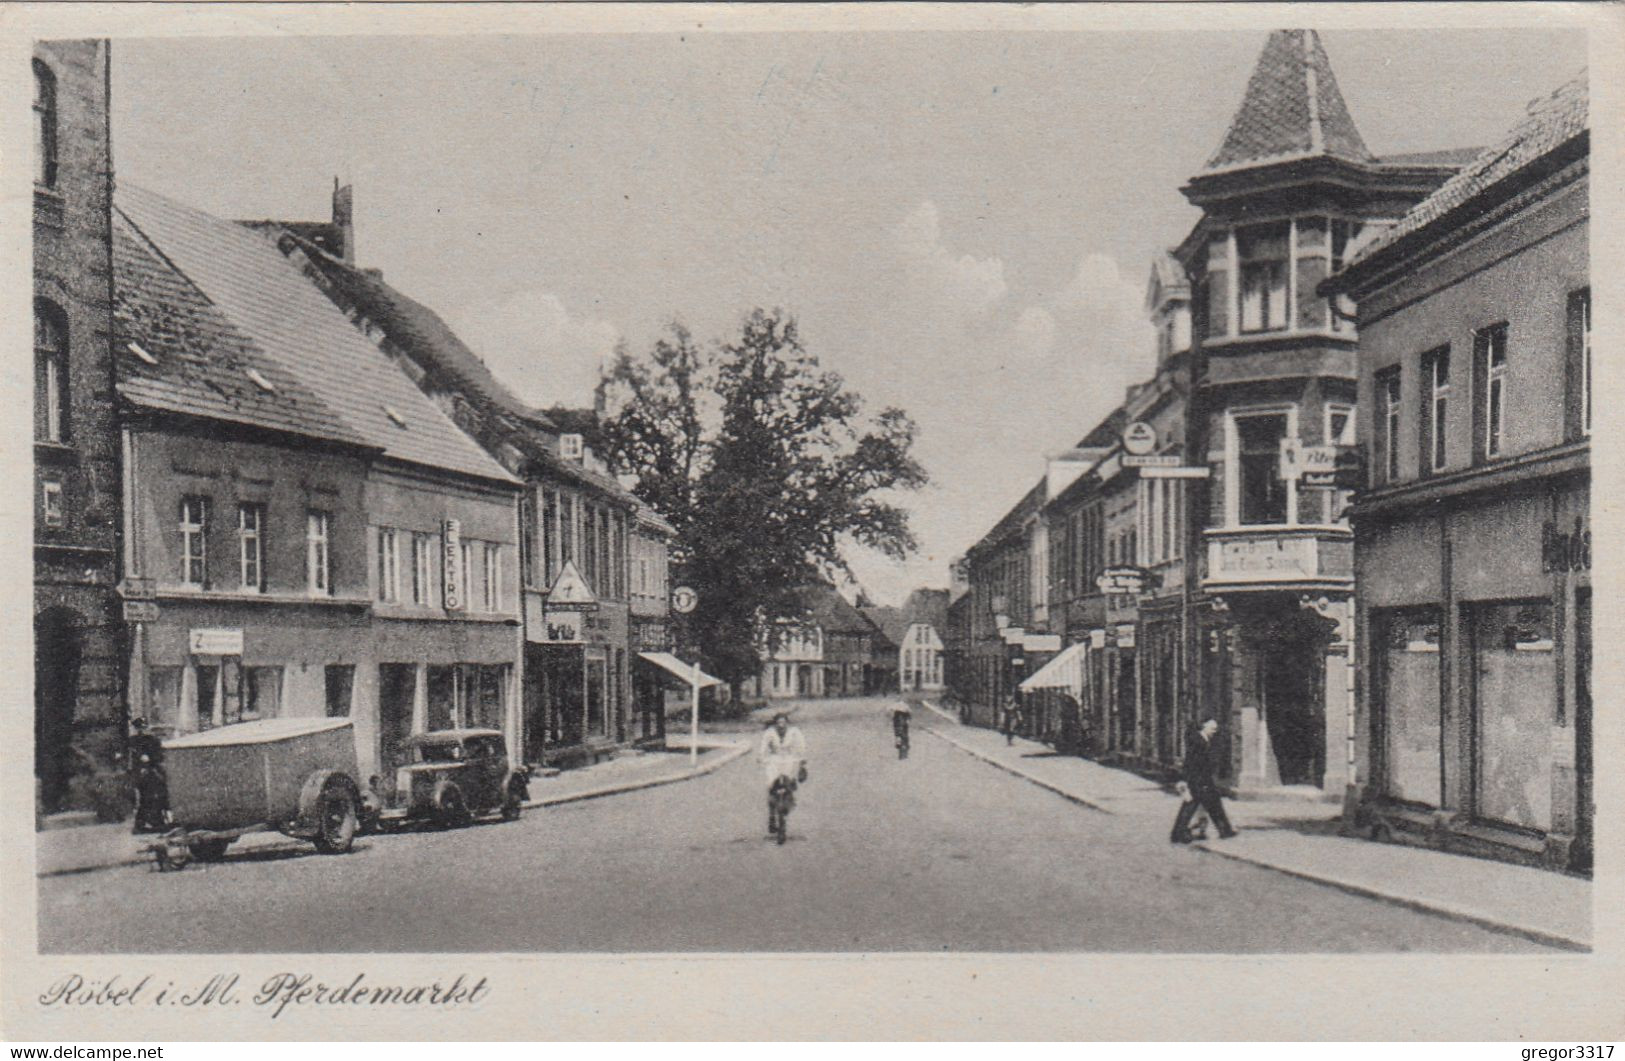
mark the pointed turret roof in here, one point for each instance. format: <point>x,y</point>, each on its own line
<point>1292,109</point>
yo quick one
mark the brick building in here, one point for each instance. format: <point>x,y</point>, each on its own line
<point>79,712</point>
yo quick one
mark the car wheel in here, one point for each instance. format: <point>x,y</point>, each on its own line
<point>335,821</point>
<point>451,810</point>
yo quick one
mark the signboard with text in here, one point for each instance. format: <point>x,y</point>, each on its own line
<point>1115,580</point>
<point>1155,460</point>
<point>452,533</point>
<point>215,641</point>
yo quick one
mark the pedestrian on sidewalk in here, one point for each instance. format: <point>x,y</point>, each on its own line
<point>1012,718</point>
<point>148,778</point>
<point>1203,790</point>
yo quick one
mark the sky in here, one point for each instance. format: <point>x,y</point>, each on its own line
<point>963,223</point>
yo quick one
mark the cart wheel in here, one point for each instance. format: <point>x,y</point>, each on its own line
<point>171,851</point>
<point>208,850</point>
<point>513,801</point>
<point>335,821</point>
<point>451,810</point>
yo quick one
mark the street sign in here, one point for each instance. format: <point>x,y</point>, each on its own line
<point>137,588</point>
<point>1139,438</point>
<point>1157,460</point>
<point>140,611</point>
<point>683,600</point>
<point>1176,473</point>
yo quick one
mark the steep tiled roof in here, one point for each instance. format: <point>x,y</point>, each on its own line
<point>1453,157</point>
<point>266,297</point>
<point>889,621</point>
<point>202,361</point>
<point>1551,122</point>
<point>1292,109</point>
<point>927,606</point>
<point>420,331</point>
<point>830,611</point>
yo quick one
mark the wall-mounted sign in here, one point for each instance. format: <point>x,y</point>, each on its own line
<point>1097,639</point>
<point>1202,472</point>
<point>1116,580</point>
<point>1041,643</point>
<point>1125,636</point>
<point>570,590</point>
<point>683,599</point>
<point>215,641</point>
<point>140,611</point>
<point>1155,460</point>
<point>451,533</point>
<point>562,628</point>
<point>137,588</point>
<point>1139,438</point>
<point>1300,460</point>
<point>1279,557</point>
<point>1012,635</point>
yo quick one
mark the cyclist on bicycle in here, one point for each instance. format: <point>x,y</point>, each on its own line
<point>900,715</point>
<point>783,753</point>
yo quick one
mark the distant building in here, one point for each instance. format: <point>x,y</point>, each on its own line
<point>819,652</point>
<point>79,639</point>
<point>650,604</point>
<point>1473,539</point>
<point>920,648</point>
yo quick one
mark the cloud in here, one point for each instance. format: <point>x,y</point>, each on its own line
<point>962,285</point>
<point>533,344</point>
<point>1034,332</point>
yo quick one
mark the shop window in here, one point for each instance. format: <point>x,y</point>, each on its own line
<point>164,696</point>
<point>262,693</point>
<point>442,697</point>
<point>389,565</point>
<point>251,546</point>
<point>1514,704</point>
<point>194,534</point>
<point>483,699</point>
<point>45,125</point>
<point>1410,696</point>
<point>340,683</point>
<point>318,555</point>
<point>50,373</point>
<point>208,694</point>
<point>1262,495</point>
<point>1262,254</point>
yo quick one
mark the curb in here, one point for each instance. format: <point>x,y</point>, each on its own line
<point>1450,913</point>
<point>1018,772</point>
<point>731,752</point>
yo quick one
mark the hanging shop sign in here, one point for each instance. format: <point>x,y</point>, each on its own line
<point>1125,636</point>
<point>1139,438</point>
<point>1308,462</point>
<point>683,600</point>
<point>1124,580</point>
<point>140,611</point>
<point>138,588</point>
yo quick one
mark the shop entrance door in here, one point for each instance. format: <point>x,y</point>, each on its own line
<point>1514,681</point>
<point>397,687</point>
<point>597,699</point>
<point>1294,709</point>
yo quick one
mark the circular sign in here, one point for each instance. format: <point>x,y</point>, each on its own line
<point>683,599</point>
<point>1139,438</point>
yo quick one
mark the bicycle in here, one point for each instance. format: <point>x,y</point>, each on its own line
<point>780,798</point>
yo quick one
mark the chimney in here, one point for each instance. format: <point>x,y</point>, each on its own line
<point>344,220</point>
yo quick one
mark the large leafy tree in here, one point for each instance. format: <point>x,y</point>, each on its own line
<point>767,465</point>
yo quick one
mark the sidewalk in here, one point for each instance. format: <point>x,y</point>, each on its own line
<point>88,848</point>
<point>1301,839</point>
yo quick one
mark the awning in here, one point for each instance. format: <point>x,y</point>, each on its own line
<point>678,669</point>
<point>1063,672</point>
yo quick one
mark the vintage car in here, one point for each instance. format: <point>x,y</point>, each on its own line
<point>292,775</point>
<point>455,775</point>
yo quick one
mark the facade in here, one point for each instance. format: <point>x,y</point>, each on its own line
<point>920,651</point>
<point>824,651</point>
<point>650,609</point>
<point>79,639</point>
<point>1285,201</point>
<point>576,526</point>
<point>395,591</point>
<point>1473,539</point>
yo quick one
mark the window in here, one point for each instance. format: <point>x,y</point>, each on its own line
<point>422,568</point>
<point>567,529</point>
<point>1490,364</point>
<point>51,503</point>
<point>194,528</point>
<point>318,557</point>
<point>493,577</point>
<point>1262,495</point>
<point>589,549</point>
<point>1344,234</point>
<point>1262,251</point>
<point>1339,425</point>
<point>1217,284</point>
<point>44,125</point>
<point>1386,465</point>
<point>1579,364</point>
<point>550,537</point>
<point>389,565</point>
<point>163,696</point>
<point>527,538</point>
<point>340,680</point>
<point>50,373</point>
<point>465,573</point>
<point>1433,451</point>
<point>251,545</point>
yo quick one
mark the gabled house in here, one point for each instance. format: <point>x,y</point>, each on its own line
<point>425,547</point>
<point>820,651</point>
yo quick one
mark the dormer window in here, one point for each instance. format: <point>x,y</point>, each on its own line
<point>571,447</point>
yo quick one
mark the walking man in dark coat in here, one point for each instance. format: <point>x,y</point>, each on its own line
<point>1204,790</point>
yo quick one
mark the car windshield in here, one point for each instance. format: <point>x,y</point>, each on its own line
<point>448,752</point>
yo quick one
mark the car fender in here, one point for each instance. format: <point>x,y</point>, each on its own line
<point>310,796</point>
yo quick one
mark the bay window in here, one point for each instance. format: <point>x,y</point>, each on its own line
<point>1263,252</point>
<point>1259,495</point>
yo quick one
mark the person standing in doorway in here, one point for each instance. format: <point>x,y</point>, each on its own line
<point>1200,756</point>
